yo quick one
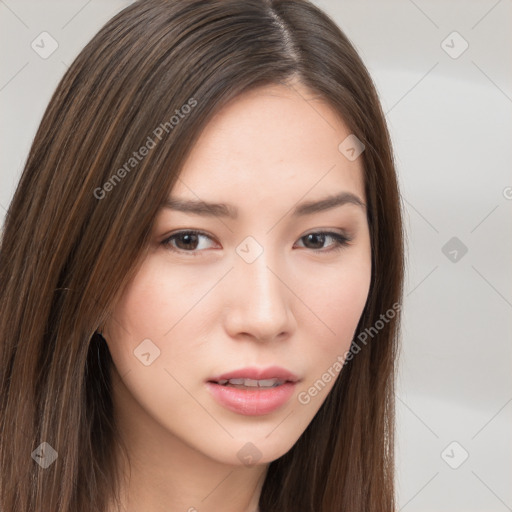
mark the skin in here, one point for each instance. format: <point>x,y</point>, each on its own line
<point>294,306</point>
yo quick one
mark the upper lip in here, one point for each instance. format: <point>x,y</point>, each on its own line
<point>271,372</point>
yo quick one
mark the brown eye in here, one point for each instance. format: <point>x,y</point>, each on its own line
<point>317,240</point>
<point>185,242</point>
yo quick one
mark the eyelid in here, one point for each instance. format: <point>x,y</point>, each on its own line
<point>328,231</point>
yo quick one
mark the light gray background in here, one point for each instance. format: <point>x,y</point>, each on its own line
<point>451,124</point>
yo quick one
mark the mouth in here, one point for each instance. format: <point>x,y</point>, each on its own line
<point>253,391</point>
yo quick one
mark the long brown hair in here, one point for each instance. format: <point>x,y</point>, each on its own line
<point>78,226</point>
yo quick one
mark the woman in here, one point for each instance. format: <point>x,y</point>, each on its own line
<point>201,273</point>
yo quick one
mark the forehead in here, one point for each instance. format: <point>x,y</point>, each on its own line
<point>274,143</point>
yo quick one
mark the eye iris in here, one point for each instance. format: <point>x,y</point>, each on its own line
<point>316,236</point>
<point>187,237</point>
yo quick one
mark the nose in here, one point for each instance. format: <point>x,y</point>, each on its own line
<point>258,301</point>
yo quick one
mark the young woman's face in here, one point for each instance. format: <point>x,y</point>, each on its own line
<point>268,293</point>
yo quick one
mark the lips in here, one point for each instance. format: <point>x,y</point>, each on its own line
<point>253,391</point>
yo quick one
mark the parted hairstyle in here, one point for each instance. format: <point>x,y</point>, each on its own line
<point>78,226</point>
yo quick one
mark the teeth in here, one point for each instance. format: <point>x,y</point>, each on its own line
<point>264,383</point>
<point>244,382</point>
<point>268,382</point>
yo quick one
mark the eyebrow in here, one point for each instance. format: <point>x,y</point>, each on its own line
<point>226,210</point>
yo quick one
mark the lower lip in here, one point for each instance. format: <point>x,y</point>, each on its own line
<point>252,402</point>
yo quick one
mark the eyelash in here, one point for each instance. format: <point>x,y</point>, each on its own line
<point>340,241</point>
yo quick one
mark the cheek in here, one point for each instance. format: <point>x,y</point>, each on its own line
<point>157,300</point>
<point>338,303</point>
<point>171,307</point>
<point>151,337</point>
<point>337,296</point>
<point>142,314</point>
<point>339,314</point>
